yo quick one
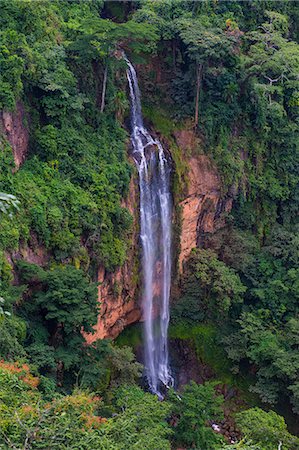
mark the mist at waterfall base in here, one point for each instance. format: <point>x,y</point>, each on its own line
<point>155,234</point>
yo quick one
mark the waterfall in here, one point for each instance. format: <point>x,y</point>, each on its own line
<point>155,234</point>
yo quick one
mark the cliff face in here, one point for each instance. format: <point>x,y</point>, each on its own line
<point>203,206</point>
<point>201,211</point>
<point>117,291</point>
<point>14,128</point>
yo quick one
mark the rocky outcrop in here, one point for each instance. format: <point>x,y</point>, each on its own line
<point>117,291</point>
<point>186,364</point>
<point>34,252</point>
<point>203,206</point>
<point>13,126</point>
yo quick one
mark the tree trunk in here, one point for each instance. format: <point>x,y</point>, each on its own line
<point>104,88</point>
<point>198,83</point>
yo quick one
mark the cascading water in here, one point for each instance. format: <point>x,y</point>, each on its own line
<point>155,233</point>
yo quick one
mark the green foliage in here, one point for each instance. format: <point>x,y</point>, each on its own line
<point>248,87</point>
<point>239,297</point>
<point>210,288</point>
<point>104,37</point>
<point>266,429</point>
<point>27,420</point>
<point>73,421</point>
<point>12,66</point>
<point>162,15</point>
<point>78,171</point>
<point>142,423</point>
<point>65,296</point>
<point>8,203</point>
<point>196,407</point>
<point>125,370</point>
<point>12,337</point>
<point>272,350</point>
<point>106,366</point>
<point>204,43</point>
<point>60,304</point>
<point>263,332</point>
<point>130,336</point>
<point>206,341</point>
<point>242,445</point>
<point>60,210</point>
<point>13,329</point>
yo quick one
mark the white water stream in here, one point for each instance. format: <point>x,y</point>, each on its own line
<point>155,233</point>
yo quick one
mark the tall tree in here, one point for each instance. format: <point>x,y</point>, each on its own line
<point>207,46</point>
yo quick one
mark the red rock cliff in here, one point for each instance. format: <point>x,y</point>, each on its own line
<point>203,206</point>
<point>14,128</point>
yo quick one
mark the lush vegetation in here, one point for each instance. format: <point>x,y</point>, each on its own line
<point>228,69</point>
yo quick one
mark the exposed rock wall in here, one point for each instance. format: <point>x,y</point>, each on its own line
<point>117,292</point>
<point>14,127</point>
<point>202,211</point>
<point>203,206</point>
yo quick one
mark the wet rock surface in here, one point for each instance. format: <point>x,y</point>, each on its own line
<point>186,365</point>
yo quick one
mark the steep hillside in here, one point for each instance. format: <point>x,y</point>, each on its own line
<point>219,90</point>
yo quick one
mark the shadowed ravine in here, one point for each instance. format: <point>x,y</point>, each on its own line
<point>155,234</point>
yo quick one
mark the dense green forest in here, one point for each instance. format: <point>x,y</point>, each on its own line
<point>229,70</point>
